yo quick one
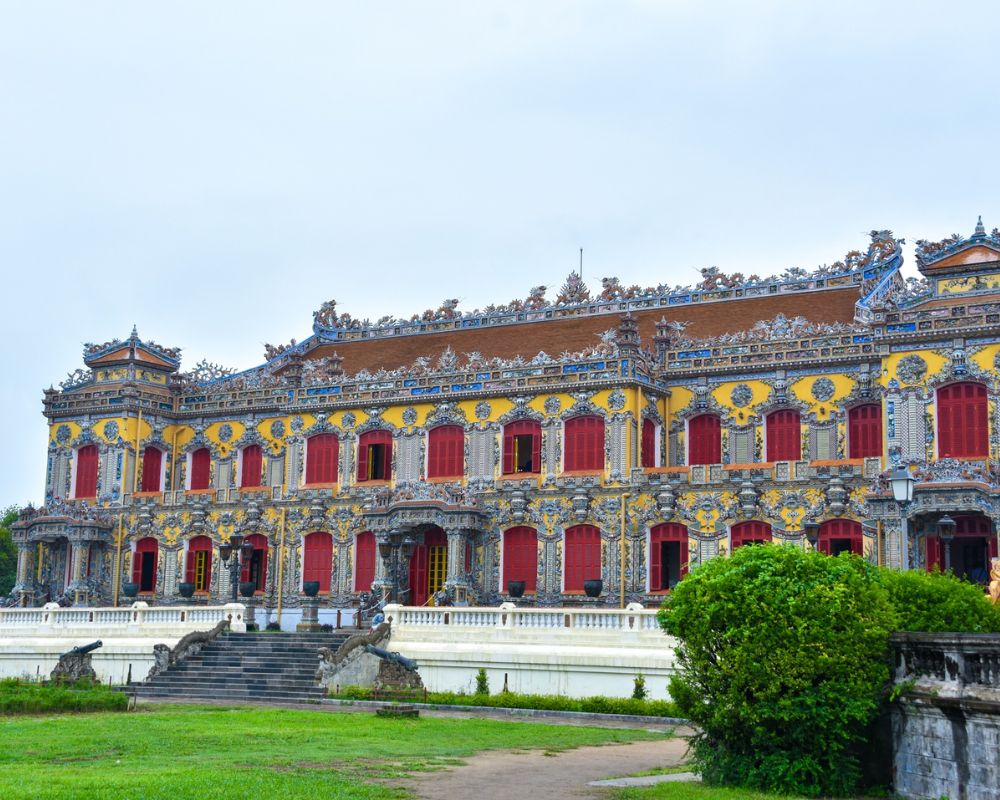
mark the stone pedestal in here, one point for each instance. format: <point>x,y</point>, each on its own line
<point>310,616</point>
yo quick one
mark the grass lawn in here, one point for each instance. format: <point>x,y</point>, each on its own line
<point>201,752</point>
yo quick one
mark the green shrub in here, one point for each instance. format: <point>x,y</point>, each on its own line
<point>544,702</point>
<point>639,691</point>
<point>482,682</point>
<point>938,602</point>
<point>23,697</point>
<point>782,664</point>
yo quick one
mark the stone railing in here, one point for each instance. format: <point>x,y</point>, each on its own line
<point>136,621</point>
<point>633,618</point>
<point>950,663</point>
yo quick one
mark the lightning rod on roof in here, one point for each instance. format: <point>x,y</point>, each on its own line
<point>581,262</point>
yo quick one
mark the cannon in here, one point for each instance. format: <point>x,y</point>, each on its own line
<point>83,649</point>
<point>406,663</point>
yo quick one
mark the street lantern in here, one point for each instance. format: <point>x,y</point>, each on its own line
<point>902,481</point>
<point>812,533</point>
<point>946,528</point>
<point>946,533</point>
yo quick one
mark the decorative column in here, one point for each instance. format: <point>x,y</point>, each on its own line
<point>382,583</point>
<point>456,582</point>
<point>25,586</point>
<point>77,588</point>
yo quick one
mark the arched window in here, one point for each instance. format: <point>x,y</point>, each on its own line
<point>251,466</point>
<point>522,447</point>
<point>753,532</point>
<point>152,469</point>
<point>364,561</point>
<point>255,569</point>
<point>704,440</point>
<point>86,472</point>
<point>201,469</point>
<point>198,566</point>
<point>446,452</point>
<point>520,557</point>
<point>784,435</point>
<point>317,559</point>
<point>962,421</point>
<point>649,446</point>
<point>375,456</point>
<point>144,564</point>
<point>838,536</point>
<point>668,556</point>
<point>583,444</point>
<point>322,452</point>
<point>864,431</point>
<point>582,557</point>
<point>428,566</point>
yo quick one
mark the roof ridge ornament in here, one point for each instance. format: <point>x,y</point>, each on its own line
<point>980,232</point>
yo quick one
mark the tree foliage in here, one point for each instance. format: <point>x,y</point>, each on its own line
<point>8,553</point>
<point>783,665</point>
<point>936,602</point>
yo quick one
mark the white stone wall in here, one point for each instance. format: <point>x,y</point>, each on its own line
<point>572,652</point>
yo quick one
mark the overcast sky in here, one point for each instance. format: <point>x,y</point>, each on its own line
<point>214,171</point>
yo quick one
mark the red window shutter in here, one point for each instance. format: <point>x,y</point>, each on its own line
<point>666,532</point>
<point>841,529</point>
<point>508,450</point>
<point>364,561</point>
<point>322,453</point>
<point>864,431</point>
<point>705,439</point>
<point>201,468</point>
<point>446,452</point>
<point>648,446</point>
<point>511,454</point>
<point>259,542</point>
<point>252,465</point>
<point>963,421</point>
<point>365,442</point>
<point>362,459</point>
<point>753,531</point>
<point>317,559</point>
<point>152,462</point>
<point>418,575</point>
<point>196,545</point>
<point>86,471</point>
<point>582,556</point>
<point>520,557</point>
<point>784,436</point>
<point>583,445</point>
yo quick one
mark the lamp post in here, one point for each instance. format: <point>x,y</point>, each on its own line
<point>902,481</point>
<point>391,547</point>
<point>234,554</point>
<point>812,533</point>
<point>946,533</point>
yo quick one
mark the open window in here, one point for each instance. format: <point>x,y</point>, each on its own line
<point>375,456</point>
<point>522,447</point>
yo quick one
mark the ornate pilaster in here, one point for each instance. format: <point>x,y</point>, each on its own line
<point>456,582</point>
<point>26,565</point>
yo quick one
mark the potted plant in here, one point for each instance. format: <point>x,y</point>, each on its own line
<point>185,589</point>
<point>310,588</point>
<point>592,588</point>
<point>515,588</point>
<point>247,588</point>
<point>130,589</point>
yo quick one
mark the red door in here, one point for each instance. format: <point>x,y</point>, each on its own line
<point>520,557</point>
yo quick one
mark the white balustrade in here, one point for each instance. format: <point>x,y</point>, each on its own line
<point>137,621</point>
<point>612,619</point>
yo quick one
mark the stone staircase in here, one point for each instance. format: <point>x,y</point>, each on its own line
<point>246,667</point>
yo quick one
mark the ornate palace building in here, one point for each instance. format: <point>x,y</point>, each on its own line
<point>626,436</point>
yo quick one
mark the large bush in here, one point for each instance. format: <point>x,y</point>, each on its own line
<point>937,602</point>
<point>782,664</point>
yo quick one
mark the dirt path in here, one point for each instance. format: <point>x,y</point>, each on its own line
<point>563,776</point>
